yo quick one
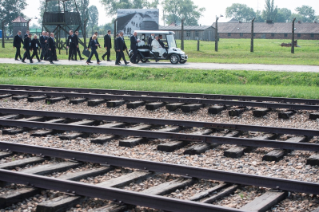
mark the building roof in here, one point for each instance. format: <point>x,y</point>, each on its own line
<point>19,19</point>
<point>231,27</point>
<point>124,20</point>
<point>176,28</point>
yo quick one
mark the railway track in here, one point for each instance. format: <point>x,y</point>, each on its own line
<point>235,105</point>
<point>273,191</point>
<point>198,137</point>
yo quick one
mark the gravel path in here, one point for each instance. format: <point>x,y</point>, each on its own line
<point>204,66</point>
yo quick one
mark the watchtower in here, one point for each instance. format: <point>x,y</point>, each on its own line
<point>19,24</point>
<point>59,17</point>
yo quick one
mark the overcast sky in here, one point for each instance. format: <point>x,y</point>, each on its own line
<point>213,8</point>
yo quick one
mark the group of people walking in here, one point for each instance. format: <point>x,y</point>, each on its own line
<point>46,44</point>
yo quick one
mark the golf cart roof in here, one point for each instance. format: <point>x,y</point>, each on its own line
<point>156,32</point>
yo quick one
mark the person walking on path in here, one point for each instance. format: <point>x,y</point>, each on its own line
<point>52,48</point>
<point>120,45</point>
<point>27,48</point>
<point>78,48</point>
<point>107,45</point>
<point>94,45</point>
<point>35,45</point>
<point>17,44</point>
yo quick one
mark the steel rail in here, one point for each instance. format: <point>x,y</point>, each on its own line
<point>128,197</point>
<point>162,99</point>
<point>127,119</point>
<point>196,172</point>
<point>164,135</point>
<point>148,93</point>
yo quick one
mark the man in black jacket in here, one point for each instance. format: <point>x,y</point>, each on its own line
<point>77,48</point>
<point>72,44</point>
<point>43,42</point>
<point>35,45</point>
<point>120,46</point>
<point>150,39</point>
<point>95,33</point>
<point>160,37</point>
<point>27,48</point>
<point>27,34</point>
<point>107,45</point>
<point>17,44</point>
<point>134,42</point>
<point>52,49</point>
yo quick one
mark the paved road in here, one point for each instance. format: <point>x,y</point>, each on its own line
<point>204,66</point>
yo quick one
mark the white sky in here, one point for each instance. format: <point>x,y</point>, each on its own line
<point>213,8</point>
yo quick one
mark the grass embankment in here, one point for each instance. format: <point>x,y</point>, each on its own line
<point>256,83</point>
<point>267,51</point>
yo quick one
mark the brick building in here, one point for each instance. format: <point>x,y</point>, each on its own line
<point>303,31</point>
<point>206,33</point>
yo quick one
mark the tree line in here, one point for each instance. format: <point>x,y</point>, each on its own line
<point>243,13</point>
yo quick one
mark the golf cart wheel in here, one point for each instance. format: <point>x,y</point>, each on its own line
<point>138,58</point>
<point>183,61</point>
<point>143,60</point>
<point>175,59</point>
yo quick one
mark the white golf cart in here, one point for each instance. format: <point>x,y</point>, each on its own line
<point>145,53</point>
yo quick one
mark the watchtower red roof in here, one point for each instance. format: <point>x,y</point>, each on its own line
<point>19,19</point>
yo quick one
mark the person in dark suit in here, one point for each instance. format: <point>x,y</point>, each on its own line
<point>43,42</point>
<point>72,44</point>
<point>17,44</point>
<point>52,49</point>
<point>94,45</point>
<point>150,39</point>
<point>160,37</point>
<point>96,34</point>
<point>27,48</point>
<point>134,42</point>
<point>107,45</point>
<point>115,46</point>
<point>120,46</point>
<point>27,34</point>
<point>77,48</point>
<point>35,45</point>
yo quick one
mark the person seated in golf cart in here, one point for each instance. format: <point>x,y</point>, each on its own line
<point>156,47</point>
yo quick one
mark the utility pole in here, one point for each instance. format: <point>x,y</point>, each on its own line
<point>293,37</point>
<point>216,35</point>
<point>182,35</point>
<point>252,36</point>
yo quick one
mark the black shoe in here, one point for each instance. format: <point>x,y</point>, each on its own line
<point>39,61</point>
<point>51,63</point>
<point>109,60</point>
<point>31,61</point>
<point>23,61</point>
<point>103,57</point>
<point>16,59</point>
<point>81,58</point>
<point>126,63</point>
<point>90,62</point>
<point>117,64</point>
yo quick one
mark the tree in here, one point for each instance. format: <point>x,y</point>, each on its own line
<point>111,6</point>
<point>241,12</point>
<point>10,10</point>
<point>93,17</point>
<point>271,11</point>
<point>307,13</point>
<point>283,15</point>
<point>259,17</point>
<point>178,9</point>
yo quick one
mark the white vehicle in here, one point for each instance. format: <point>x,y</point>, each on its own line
<point>145,53</point>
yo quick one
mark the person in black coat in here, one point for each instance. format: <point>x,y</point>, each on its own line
<point>27,48</point>
<point>43,42</point>
<point>52,49</point>
<point>96,34</point>
<point>27,34</point>
<point>120,46</point>
<point>77,48</point>
<point>72,44</point>
<point>35,45</point>
<point>134,42</point>
<point>160,37</point>
<point>150,39</point>
<point>107,45</point>
<point>115,47</point>
<point>17,44</point>
<point>94,45</point>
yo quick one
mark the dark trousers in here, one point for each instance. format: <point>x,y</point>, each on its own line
<point>72,52</point>
<point>52,55</point>
<point>108,54</point>
<point>119,56</point>
<point>26,55</point>
<point>18,54</point>
<point>96,56</point>
<point>78,51</point>
<point>43,51</point>
<point>133,59</point>
<point>35,53</point>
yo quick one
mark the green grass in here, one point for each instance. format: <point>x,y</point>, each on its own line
<point>267,51</point>
<point>256,83</point>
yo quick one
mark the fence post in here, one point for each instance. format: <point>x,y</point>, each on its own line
<point>182,35</point>
<point>293,37</point>
<point>216,35</point>
<point>2,26</point>
<point>198,44</point>
<point>252,36</point>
